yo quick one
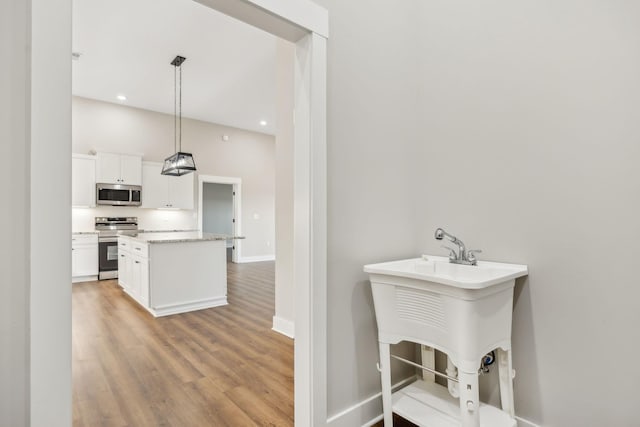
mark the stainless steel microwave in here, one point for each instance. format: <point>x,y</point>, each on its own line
<point>118,195</point>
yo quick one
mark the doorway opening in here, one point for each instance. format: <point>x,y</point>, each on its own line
<point>219,210</point>
<point>301,22</point>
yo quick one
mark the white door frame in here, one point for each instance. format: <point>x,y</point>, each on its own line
<point>306,24</point>
<point>237,207</point>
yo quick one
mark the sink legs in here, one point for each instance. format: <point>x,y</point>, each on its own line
<point>505,371</point>
<point>385,376</point>
<point>469,398</point>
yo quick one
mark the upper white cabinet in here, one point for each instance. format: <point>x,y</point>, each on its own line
<point>162,191</point>
<point>181,191</point>
<point>83,180</point>
<point>118,169</point>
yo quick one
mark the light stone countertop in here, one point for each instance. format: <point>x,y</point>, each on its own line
<point>84,232</point>
<point>180,237</point>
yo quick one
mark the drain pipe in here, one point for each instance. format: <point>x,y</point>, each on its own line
<point>452,371</point>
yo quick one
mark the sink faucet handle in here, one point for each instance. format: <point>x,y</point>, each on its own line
<point>471,255</point>
<point>453,255</point>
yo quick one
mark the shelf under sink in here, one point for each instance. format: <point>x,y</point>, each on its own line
<point>428,404</point>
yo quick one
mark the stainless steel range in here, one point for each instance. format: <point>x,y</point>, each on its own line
<point>109,228</point>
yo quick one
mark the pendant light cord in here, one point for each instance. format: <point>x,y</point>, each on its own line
<point>175,108</point>
<point>179,163</point>
<point>180,111</point>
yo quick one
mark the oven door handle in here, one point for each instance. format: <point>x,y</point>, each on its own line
<point>107,239</point>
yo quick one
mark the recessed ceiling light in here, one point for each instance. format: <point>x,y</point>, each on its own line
<point>263,122</point>
<point>121,97</point>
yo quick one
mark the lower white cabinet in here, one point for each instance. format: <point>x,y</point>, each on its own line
<point>124,268</point>
<point>84,257</point>
<point>140,279</point>
<point>133,269</point>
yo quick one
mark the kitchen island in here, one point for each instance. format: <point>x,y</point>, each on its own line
<point>174,272</point>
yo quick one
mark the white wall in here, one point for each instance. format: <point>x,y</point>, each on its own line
<point>530,145</point>
<point>284,289</point>
<point>248,155</point>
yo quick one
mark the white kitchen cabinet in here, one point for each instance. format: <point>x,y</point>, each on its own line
<point>181,191</point>
<point>131,169</point>
<point>139,288</point>
<point>162,191</point>
<point>118,169</point>
<point>133,269</point>
<point>84,257</point>
<point>83,180</point>
<point>124,268</point>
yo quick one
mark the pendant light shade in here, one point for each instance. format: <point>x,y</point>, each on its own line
<point>180,163</point>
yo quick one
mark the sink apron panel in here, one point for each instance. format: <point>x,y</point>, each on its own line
<point>465,324</point>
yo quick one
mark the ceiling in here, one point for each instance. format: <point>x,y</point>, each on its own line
<point>126,47</point>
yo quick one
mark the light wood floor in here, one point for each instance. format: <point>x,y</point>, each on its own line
<point>218,367</point>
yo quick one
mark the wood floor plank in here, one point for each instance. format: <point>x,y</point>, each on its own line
<point>256,407</point>
<point>222,366</point>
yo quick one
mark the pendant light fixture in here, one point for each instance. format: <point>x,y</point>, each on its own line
<point>180,163</point>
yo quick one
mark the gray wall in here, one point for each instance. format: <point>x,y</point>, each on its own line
<point>373,177</point>
<point>217,208</point>
<point>530,143</point>
<point>514,125</point>
<point>14,217</point>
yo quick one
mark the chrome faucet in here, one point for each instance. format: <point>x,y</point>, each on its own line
<point>461,256</point>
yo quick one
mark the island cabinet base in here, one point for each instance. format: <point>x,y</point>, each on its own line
<point>187,276</point>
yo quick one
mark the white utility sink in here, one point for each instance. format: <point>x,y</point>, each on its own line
<point>461,310</point>
<point>438,269</point>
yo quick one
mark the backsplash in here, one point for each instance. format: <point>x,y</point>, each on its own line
<point>148,219</point>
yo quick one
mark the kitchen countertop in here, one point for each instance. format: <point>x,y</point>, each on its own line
<point>84,232</point>
<point>180,237</point>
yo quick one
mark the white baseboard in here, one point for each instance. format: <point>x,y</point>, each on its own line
<point>283,326</point>
<point>79,279</point>
<point>525,423</point>
<point>258,258</point>
<point>167,310</point>
<point>365,413</point>
<point>369,411</point>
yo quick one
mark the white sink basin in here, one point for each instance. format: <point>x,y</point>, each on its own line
<point>438,269</point>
